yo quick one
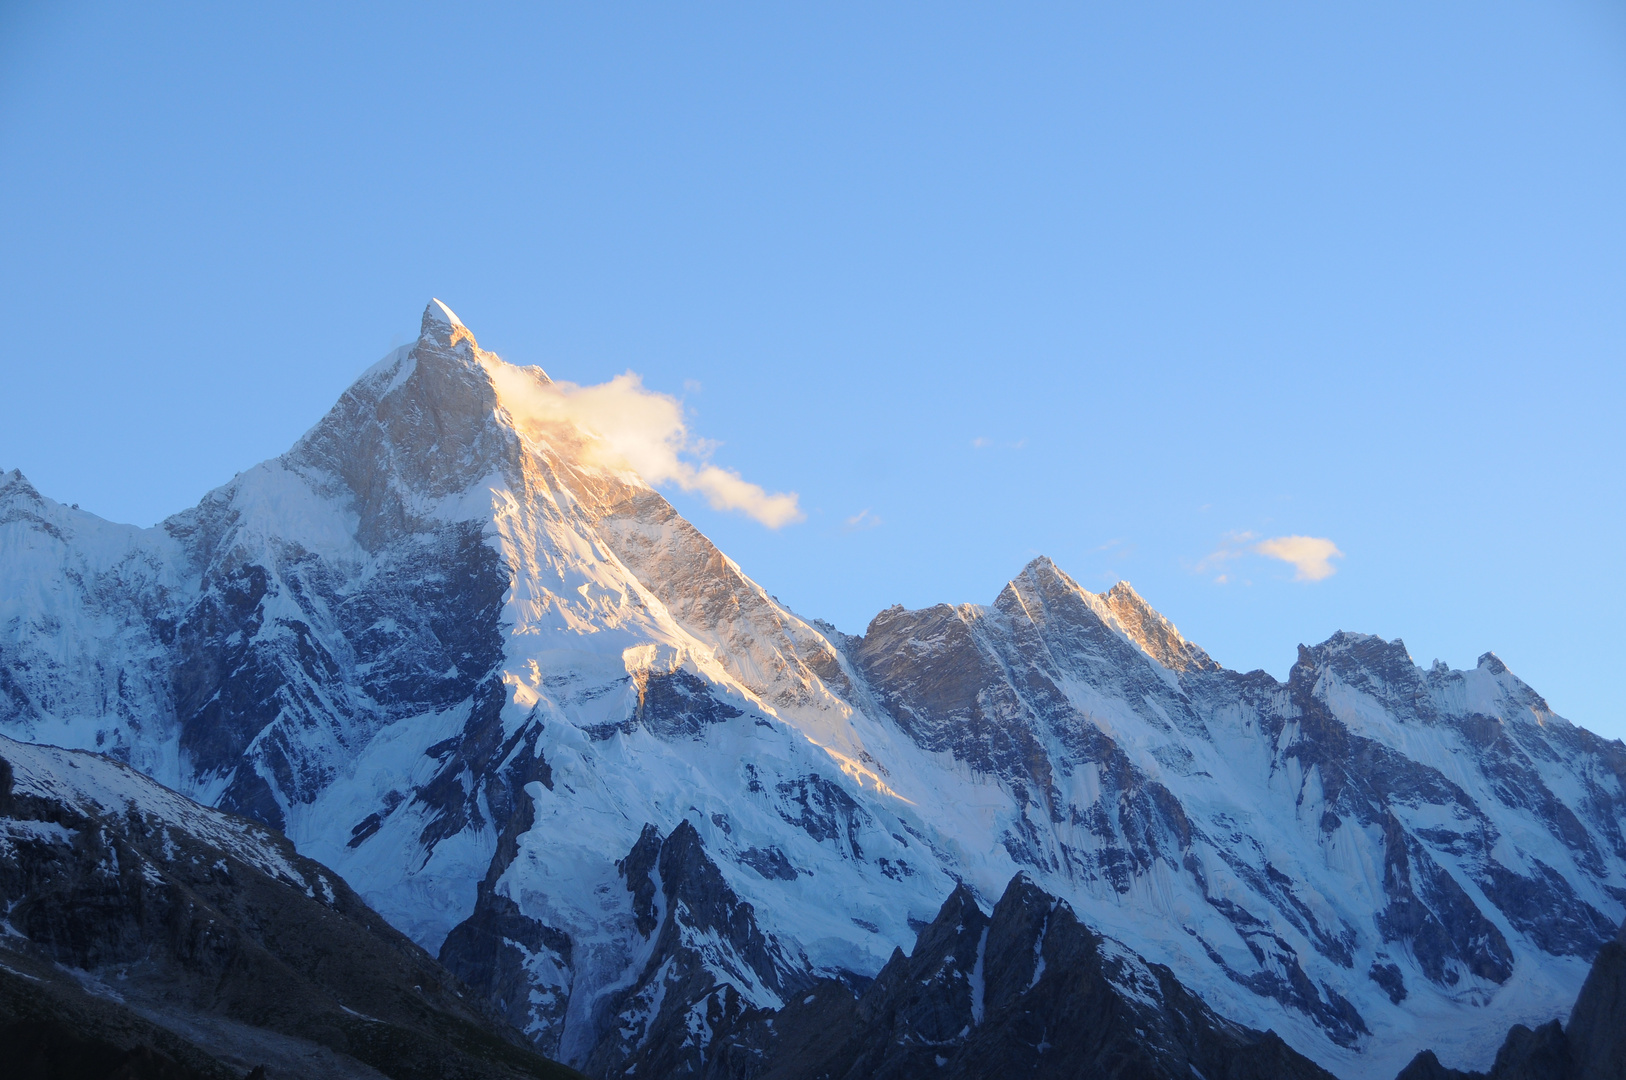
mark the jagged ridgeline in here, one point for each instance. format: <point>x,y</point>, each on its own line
<point>544,727</point>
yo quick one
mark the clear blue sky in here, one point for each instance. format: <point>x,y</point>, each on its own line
<point>1186,271</point>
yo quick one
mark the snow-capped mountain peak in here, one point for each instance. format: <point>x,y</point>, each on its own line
<point>442,327</point>
<point>439,314</point>
<point>459,649</point>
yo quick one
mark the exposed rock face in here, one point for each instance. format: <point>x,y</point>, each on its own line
<point>708,961</point>
<point>148,934</point>
<point>703,963</point>
<point>465,666</point>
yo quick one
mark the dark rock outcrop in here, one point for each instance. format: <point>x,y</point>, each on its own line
<point>698,929</point>
<point>1027,991</point>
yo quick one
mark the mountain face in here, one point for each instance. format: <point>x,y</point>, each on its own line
<point>551,733</point>
<point>146,936</point>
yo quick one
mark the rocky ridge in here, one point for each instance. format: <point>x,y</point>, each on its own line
<point>1026,990</point>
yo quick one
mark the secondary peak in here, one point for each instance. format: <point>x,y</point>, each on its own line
<point>1125,593</point>
<point>1152,632</point>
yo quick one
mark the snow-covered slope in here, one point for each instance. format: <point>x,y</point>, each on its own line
<point>461,660</point>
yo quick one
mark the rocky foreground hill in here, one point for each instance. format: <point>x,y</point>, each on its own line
<point>148,937</point>
<point>494,681</point>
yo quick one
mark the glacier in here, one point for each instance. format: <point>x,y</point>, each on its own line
<point>496,681</point>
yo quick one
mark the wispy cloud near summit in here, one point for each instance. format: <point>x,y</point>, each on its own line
<point>622,425</point>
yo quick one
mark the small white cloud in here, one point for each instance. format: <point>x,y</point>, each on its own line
<point>979,442</point>
<point>860,521</point>
<point>1308,554</point>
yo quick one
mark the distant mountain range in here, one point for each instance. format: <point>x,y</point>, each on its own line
<point>548,731</point>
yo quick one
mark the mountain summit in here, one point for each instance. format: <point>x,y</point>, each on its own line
<point>439,314</point>
<point>488,674</point>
